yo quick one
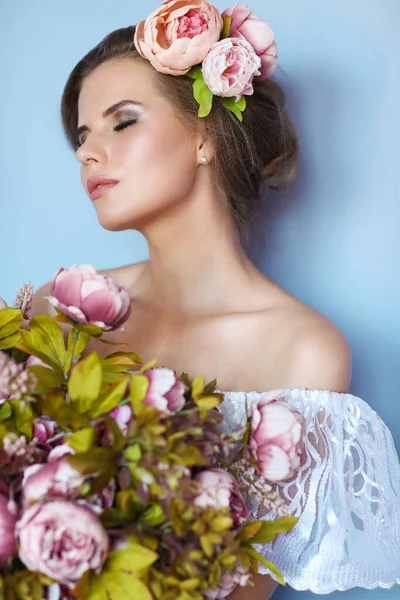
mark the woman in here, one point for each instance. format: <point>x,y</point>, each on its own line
<point>188,175</point>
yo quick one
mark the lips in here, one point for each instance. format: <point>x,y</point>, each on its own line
<point>97,186</point>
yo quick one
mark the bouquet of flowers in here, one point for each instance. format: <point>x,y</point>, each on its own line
<point>116,479</point>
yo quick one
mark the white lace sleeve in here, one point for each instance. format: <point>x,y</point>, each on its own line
<point>346,495</point>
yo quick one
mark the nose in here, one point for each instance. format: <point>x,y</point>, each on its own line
<point>92,150</point>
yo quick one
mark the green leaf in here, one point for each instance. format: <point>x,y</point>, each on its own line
<point>195,72</point>
<point>123,358</point>
<point>236,108</point>
<point>77,342</point>
<point>273,568</point>
<point>85,382</point>
<point>203,96</point>
<point>10,341</point>
<point>116,586</point>
<point>241,104</point>
<point>250,530</point>
<point>10,321</point>
<point>208,402</point>
<point>270,529</point>
<point>96,462</point>
<point>110,399</point>
<point>132,559</point>
<point>133,453</point>
<point>138,389</point>
<point>23,417</point>
<point>91,330</point>
<point>55,406</point>
<point>82,440</point>
<point>46,378</point>
<point>197,386</point>
<point>45,338</point>
<point>5,411</point>
<point>226,28</point>
<point>153,515</point>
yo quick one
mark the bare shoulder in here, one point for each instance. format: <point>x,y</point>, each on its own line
<point>126,275</point>
<point>315,353</point>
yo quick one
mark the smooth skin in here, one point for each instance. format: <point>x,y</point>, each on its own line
<point>199,305</point>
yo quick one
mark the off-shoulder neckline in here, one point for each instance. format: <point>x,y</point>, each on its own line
<point>283,391</point>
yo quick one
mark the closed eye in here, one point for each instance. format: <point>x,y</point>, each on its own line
<point>124,124</point>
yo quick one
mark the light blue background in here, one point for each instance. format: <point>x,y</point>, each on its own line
<point>333,240</point>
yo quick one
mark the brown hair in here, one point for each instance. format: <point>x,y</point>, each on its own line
<point>263,149</point>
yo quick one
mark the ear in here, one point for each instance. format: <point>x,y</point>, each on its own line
<point>205,146</point>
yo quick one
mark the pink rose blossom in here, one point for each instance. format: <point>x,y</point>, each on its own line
<point>276,437</point>
<point>56,478</point>
<point>3,303</point>
<point>246,25</point>
<point>62,540</point>
<point>229,68</point>
<point>85,296</point>
<point>8,544</point>
<point>219,488</point>
<point>178,35</point>
<point>166,391</point>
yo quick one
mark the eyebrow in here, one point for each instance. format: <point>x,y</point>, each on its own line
<point>109,111</point>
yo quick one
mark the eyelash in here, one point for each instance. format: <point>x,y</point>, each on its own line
<point>124,124</point>
<point>119,127</point>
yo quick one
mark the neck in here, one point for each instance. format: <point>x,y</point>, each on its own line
<point>197,263</point>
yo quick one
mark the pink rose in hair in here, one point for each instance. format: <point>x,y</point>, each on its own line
<point>165,391</point>
<point>85,296</point>
<point>246,25</point>
<point>178,35</point>
<point>276,437</point>
<point>229,68</point>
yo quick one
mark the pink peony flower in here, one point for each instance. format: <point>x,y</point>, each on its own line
<point>55,478</point>
<point>59,451</point>
<point>123,416</point>
<point>3,303</point>
<point>229,68</point>
<point>166,391</point>
<point>219,488</point>
<point>8,544</point>
<point>178,35</point>
<point>276,437</point>
<point>85,296</point>
<point>44,429</point>
<point>246,25</point>
<point>62,540</point>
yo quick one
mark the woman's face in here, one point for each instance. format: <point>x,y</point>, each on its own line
<point>130,133</point>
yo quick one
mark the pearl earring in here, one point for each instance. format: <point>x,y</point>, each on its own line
<point>204,160</point>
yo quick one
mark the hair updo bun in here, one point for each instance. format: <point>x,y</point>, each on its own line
<point>261,150</point>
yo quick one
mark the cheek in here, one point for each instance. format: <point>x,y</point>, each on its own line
<point>159,162</point>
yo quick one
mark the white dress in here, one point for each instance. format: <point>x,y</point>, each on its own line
<point>346,495</point>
